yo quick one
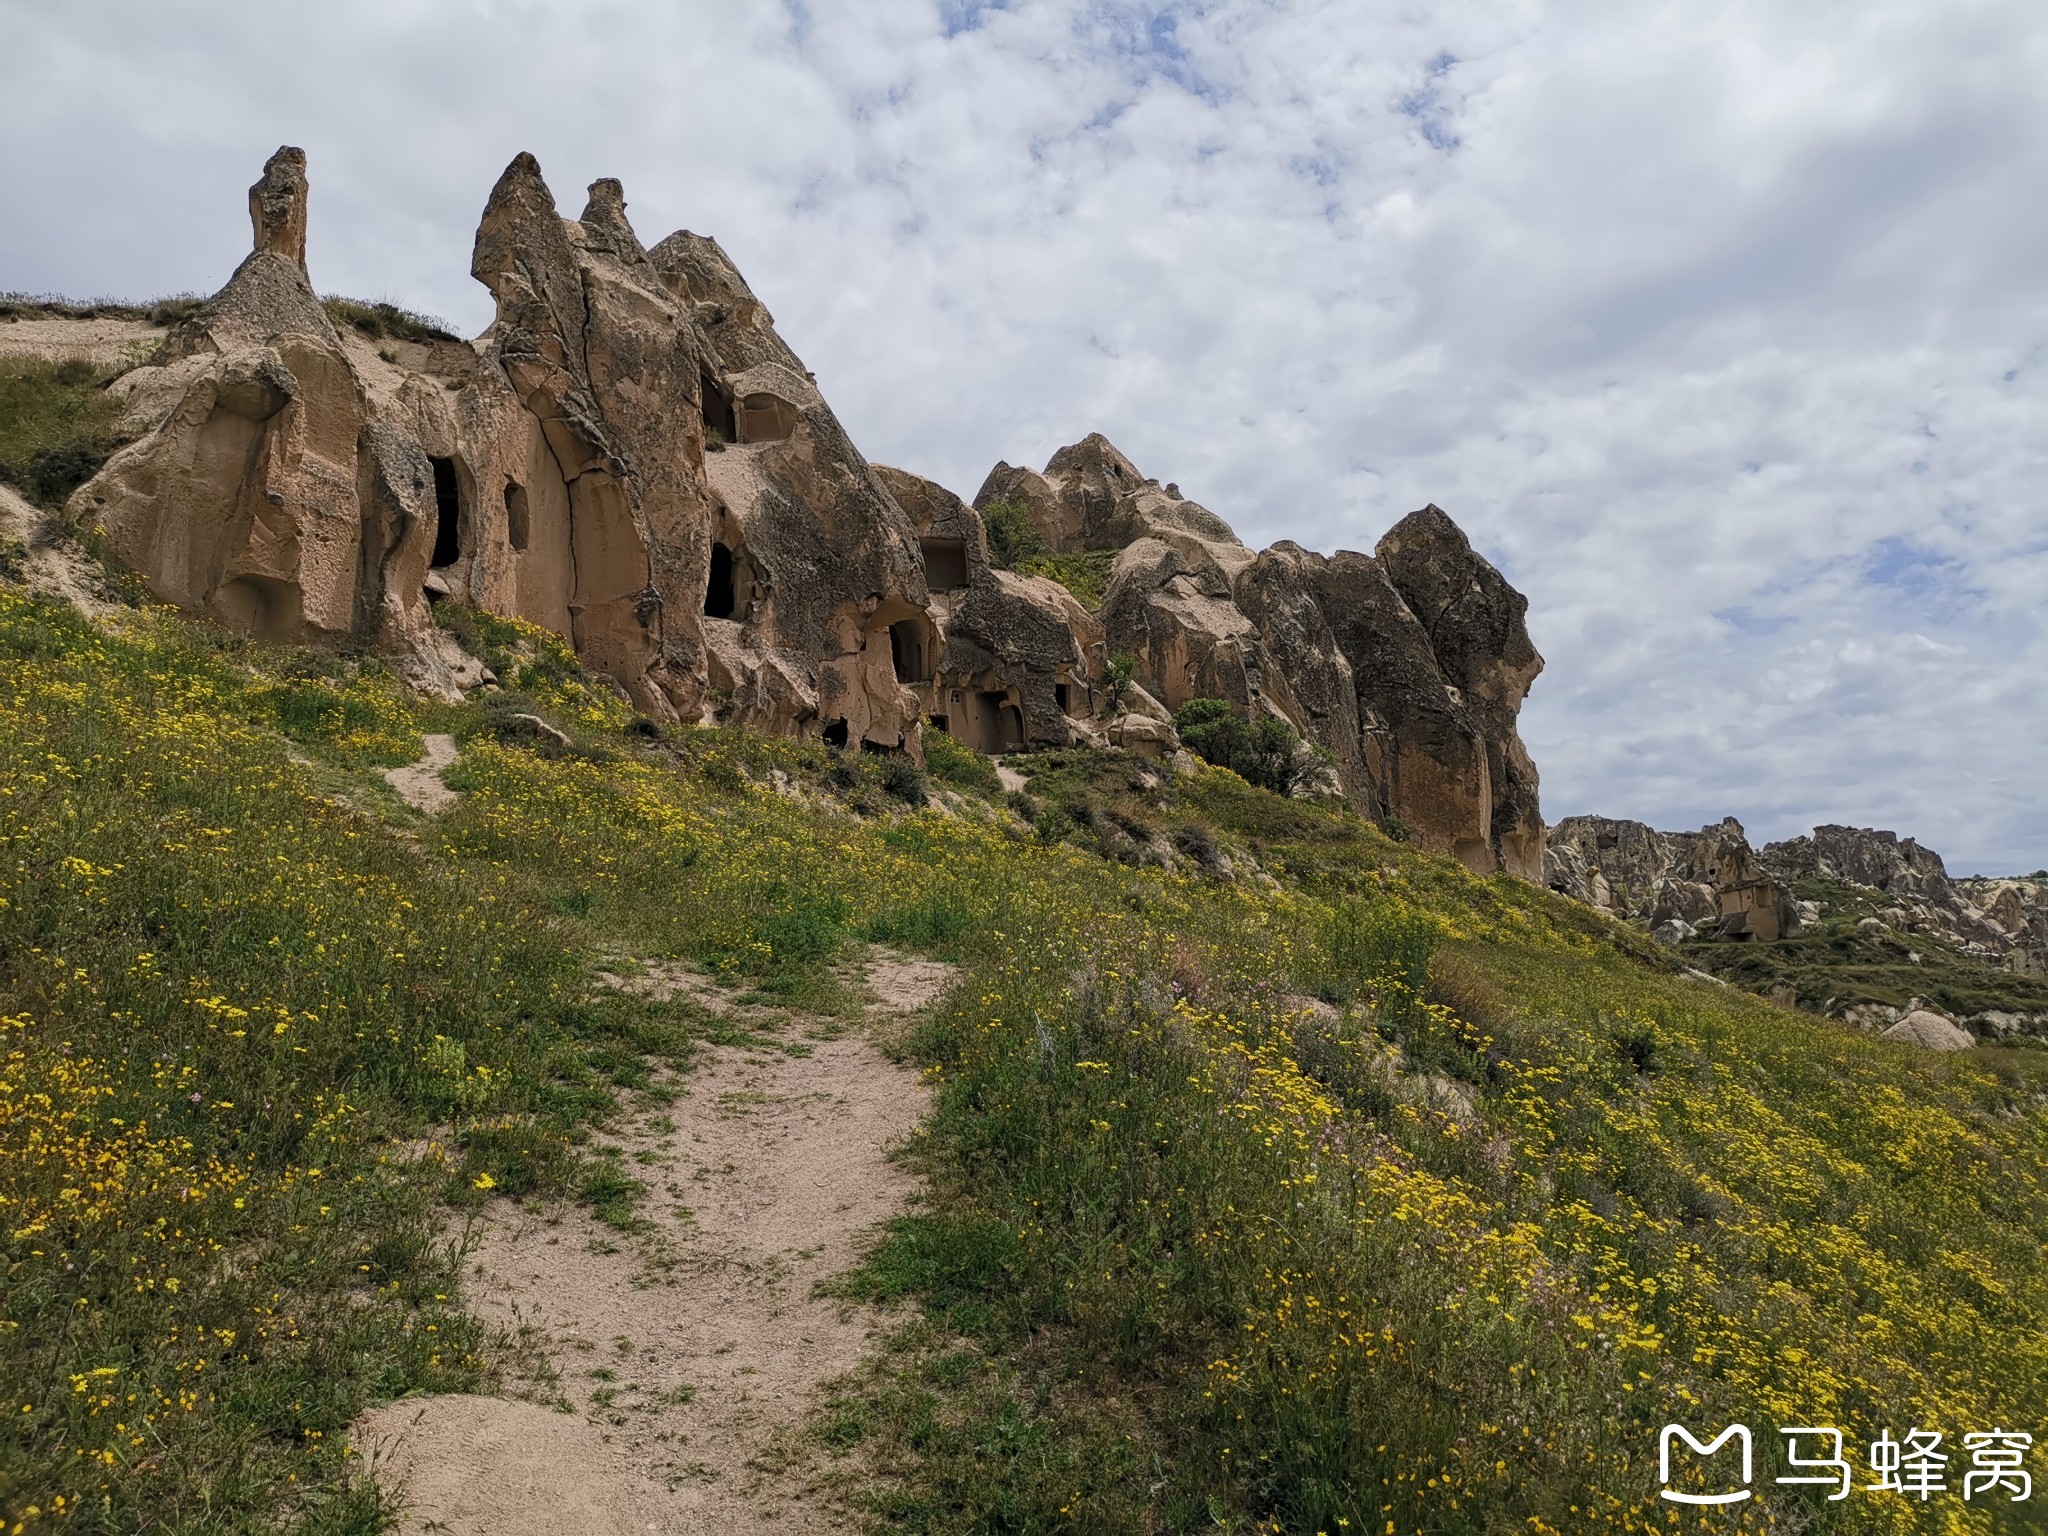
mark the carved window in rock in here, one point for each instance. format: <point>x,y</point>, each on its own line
<point>766,418</point>
<point>719,426</point>
<point>721,589</point>
<point>447,514</point>
<point>518,520</point>
<point>1062,695</point>
<point>909,652</point>
<point>1009,726</point>
<point>945,563</point>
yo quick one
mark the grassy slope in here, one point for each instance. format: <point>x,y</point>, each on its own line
<point>1194,1257</point>
<point>1833,965</point>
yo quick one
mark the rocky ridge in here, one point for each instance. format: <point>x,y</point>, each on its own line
<point>632,457</point>
<point>1868,904</point>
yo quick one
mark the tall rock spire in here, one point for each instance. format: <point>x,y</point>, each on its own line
<point>277,206</point>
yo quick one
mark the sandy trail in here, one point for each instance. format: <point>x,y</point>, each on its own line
<point>687,1357</point>
<point>419,784</point>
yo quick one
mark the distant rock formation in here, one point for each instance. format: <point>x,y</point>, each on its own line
<point>1408,666</point>
<point>631,457</point>
<point>1997,921</point>
<point>1674,883</point>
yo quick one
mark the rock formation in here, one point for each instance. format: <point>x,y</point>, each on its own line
<point>1675,883</point>
<point>1996,921</point>
<point>1930,1031</point>
<point>632,457</point>
<point>1407,666</point>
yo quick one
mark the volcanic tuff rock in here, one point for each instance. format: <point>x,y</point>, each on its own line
<point>632,457</point>
<point>1713,878</point>
<point>2000,921</point>
<point>1408,666</point>
<point>1708,878</point>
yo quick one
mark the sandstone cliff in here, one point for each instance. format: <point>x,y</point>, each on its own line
<point>1407,666</point>
<point>1676,883</point>
<point>1881,925</point>
<point>632,457</point>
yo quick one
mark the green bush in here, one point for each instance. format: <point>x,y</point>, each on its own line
<point>379,319</point>
<point>952,762</point>
<point>57,425</point>
<point>902,778</point>
<point>1122,672</point>
<point>1085,573</point>
<point>1263,752</point>
<point>1013,536</point>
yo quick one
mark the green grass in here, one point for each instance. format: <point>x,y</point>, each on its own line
<point>58,425</point>
<point>382,320</point>
<point>166,311</point>
<point>1834,965</point>
<point>1443,1248</point>
<point>1084,573</point>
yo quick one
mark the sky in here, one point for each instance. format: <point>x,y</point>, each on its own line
<point>1722,328</point>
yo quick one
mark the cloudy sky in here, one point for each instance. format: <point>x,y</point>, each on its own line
<point>1721,327</point>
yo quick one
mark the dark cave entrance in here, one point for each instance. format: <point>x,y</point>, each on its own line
<point>907,652</point>
<point>447,514</point>
<point>719,425</point>
<point>721,591</point>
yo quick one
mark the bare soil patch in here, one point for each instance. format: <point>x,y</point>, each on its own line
<point>103,343</point>
<point>687,1354</point>
<point>51,560</point>
<point>419,784</point>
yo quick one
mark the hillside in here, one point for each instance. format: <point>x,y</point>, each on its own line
<point>1279,1176</point>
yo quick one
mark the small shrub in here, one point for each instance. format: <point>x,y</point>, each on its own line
<point>58,425</point>
<point>1013,535</point>
<point>175,310</point>
<point>1263,752</point>
<point>1122,672</point>
<point>1084,573</point>
<point>903,779</point>
<point>379,319</point>
<point>953,762</point>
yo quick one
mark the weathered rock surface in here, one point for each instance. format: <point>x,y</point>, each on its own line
<point>1930,1031</point>
<point>632,457</point>
<point>819,565</point>
<point>1711,878</point>
<point>1997,921</point>
<point>1019,663</point>
<point>304,485</point>
<point>1407,667</point>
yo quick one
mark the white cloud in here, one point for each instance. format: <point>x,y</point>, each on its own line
<point>1722,326</point>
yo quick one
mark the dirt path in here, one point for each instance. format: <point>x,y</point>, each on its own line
<point>419,784</point>
<point>687,1358</point>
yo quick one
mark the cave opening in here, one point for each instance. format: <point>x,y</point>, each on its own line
<point>721,590</point>
<point>447,514</point>
<point>835,733</point>
<point>945,563</point>
<point>719,426</point>
<point>518,524</point>
<point>907,651</point>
